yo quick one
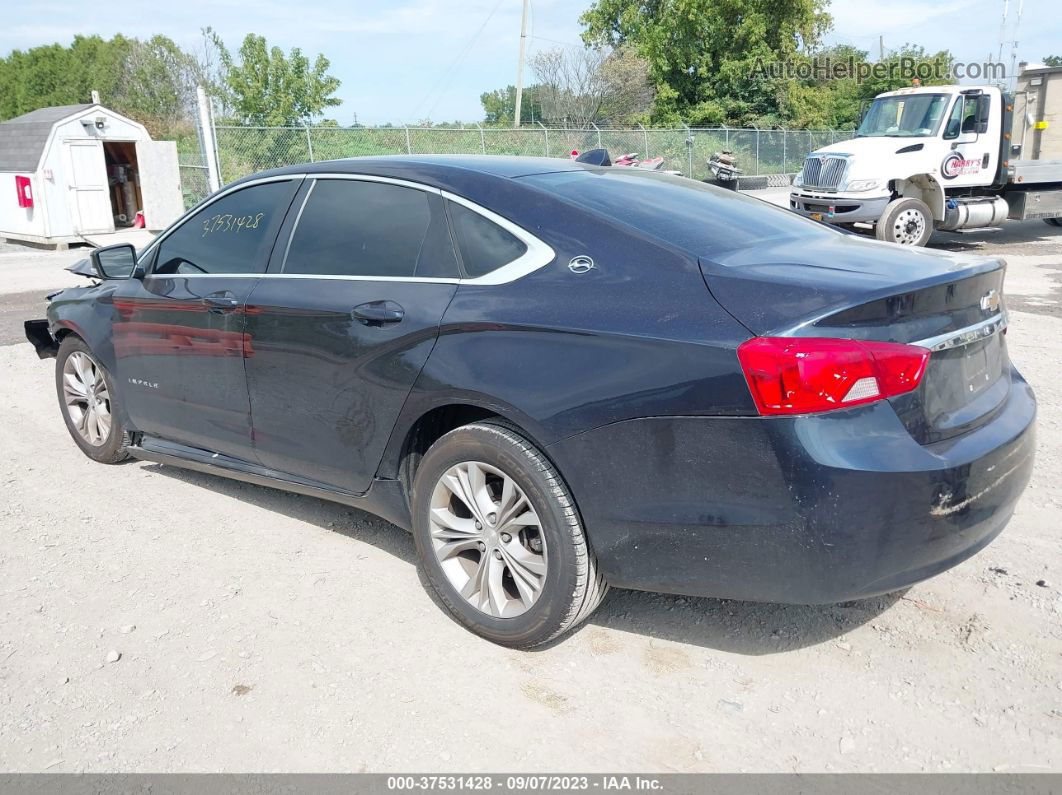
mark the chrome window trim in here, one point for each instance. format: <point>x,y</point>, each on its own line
<point>964,336</point>
<point>538,254</point>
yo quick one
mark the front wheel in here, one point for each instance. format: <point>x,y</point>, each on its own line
<point>87,401</point>
<point>500,539</point>
<point>907,222</point>
<point>1054,221</point>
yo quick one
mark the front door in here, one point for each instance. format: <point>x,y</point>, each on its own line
<point>343,323</point>
<point>89,192</point>
<point>971,159</point>
<point>180,336</point>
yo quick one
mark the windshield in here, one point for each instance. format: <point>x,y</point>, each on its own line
<point>906,116</point>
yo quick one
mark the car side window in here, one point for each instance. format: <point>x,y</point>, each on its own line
<point>231,235</point>
<point>954,125</point>
<point>373,229</point>
<point>484,245</point>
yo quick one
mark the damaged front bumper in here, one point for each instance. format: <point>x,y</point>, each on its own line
<point>40,337</point>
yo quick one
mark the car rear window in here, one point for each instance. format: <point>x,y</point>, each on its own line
<point>702,219</point>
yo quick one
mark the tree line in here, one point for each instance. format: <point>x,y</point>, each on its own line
<point>702,64</point>
<point>154,81</point>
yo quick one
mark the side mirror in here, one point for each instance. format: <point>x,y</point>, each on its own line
<point>115,262</point>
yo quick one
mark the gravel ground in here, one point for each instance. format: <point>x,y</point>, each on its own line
<point>153,619</point>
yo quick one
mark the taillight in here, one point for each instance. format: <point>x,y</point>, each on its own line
<point>801,375</point>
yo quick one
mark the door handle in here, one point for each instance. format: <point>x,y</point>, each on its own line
<point>219,303</point>
<point>377,313</point>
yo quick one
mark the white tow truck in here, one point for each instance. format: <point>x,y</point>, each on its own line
<point>952,158</point>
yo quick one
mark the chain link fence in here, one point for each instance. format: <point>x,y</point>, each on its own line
<point>759,152</point>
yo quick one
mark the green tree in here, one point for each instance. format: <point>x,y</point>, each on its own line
<point>271,89</point>
<point>701,52</point>
<point>499,106</point>
<point>837,102</point>
<point>1053,60</point>
<point>56,75</point>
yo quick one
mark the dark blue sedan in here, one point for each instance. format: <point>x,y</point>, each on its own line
<point>561,377</point>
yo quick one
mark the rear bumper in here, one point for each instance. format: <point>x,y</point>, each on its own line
<point>838,209</point>
<point>807,510</point>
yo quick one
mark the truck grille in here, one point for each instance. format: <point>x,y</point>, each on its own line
<point>824,171</point>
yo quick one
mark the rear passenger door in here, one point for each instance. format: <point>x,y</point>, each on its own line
<point>343,322</point>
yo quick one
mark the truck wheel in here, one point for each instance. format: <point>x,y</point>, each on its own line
<point>908,222</point>
<point>500,538</point>
<point>1054,221</point>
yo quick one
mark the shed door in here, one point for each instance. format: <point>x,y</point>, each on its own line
<point>160,182</point>
<point>90,201</point>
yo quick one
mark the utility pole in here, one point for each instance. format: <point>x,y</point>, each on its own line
<point>1013,83</point>
<point>881,48</point>
<point>520,65</point>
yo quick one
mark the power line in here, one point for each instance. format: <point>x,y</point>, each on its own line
<point>444,79</point>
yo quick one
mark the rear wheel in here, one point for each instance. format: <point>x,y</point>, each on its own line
<point>86,399</point>
<point>500,539</point>
<point>907,222</point>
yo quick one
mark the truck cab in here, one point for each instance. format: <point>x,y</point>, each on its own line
<point>923,158</point>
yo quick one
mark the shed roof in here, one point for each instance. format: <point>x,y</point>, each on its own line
<point>22,138</point>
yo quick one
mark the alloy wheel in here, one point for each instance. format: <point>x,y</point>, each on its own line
<point>488,539</point>
<point>86,398</point>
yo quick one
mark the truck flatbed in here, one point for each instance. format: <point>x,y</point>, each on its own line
<point>1042,171</point>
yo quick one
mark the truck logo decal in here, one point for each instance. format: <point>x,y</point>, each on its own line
<point>955,165</point>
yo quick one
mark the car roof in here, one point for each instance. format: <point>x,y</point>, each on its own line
<point>428,166</point>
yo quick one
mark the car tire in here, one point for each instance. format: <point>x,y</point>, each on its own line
<point>1054,221</point>
<point>906,222</point>
<point>79,379</point>
<point>540,580</point>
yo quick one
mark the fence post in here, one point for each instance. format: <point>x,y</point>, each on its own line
<point>409,148</point>
<point>757,129</point>
<point>689,148</point>
<point>645,137</point>
<point>726,144</point>
<point>545,133</point>
<point>598,134</point>
<point>309,143</point>
<point>206,128</point>
<point>482,138</point>
<point>785,155</point>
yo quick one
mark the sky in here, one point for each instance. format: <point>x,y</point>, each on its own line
<point>408,60</point>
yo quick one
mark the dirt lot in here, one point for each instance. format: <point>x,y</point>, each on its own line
<point>260,631</point>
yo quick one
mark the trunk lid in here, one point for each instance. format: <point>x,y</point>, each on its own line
<point>848,287</point>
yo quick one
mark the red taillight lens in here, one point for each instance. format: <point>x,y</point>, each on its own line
<point>800,375</point>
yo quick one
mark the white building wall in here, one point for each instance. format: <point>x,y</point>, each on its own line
<point>17,220</point>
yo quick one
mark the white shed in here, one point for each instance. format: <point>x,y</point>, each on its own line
<point>78,170</point>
